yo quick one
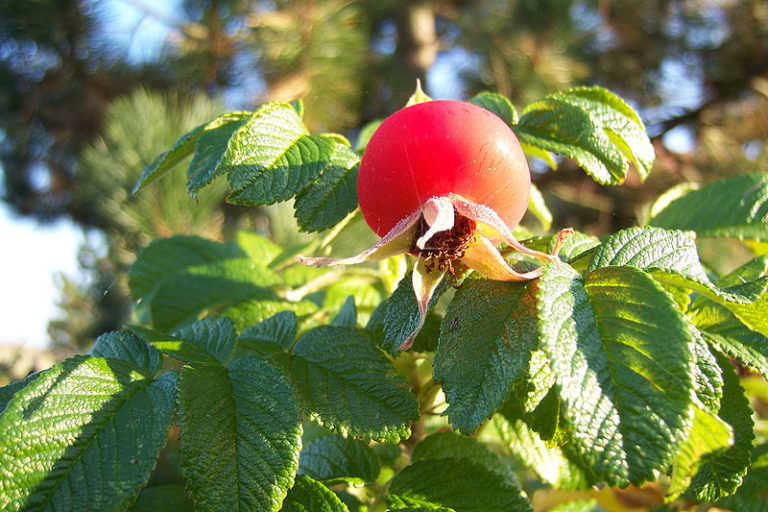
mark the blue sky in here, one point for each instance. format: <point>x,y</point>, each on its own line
<point>33,256</point>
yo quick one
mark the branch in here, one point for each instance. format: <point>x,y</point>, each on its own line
<point>721,96</point>
<point>661,128</point>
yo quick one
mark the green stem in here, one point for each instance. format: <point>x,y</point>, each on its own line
<point>420,387</point>
<point>323,281</point>
<point>316,284</point>
<point>380,501</point>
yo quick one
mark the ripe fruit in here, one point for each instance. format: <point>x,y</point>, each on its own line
<point>438,148</point>
<point>445,181</point>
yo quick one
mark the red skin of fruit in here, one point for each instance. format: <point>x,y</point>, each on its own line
<point>439,148</point>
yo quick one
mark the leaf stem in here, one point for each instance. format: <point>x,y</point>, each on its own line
<point>322,281</point>
<point>318,283</point>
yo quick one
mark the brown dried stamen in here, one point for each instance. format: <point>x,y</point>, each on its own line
<point>445,248</point>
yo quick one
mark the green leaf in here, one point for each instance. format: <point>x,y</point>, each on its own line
<point>450,444</point>
<point>268,156</point>
<point>387,453</point>
<point>573,247</point>
<point>313,431</point>
<point>650,248</point>
<point>497,104</point>
<point>129,348</point>
<point>594,127</point>
<point>398,315</point>
<point>351,501</point>
<point>279,329</point>
<point>166,256</point>
<point>330,198</point>
<point>248,313</point>
<point>347,385</point>
<point>526,395</point>
<point>298,106</point>
<point>181,297</point>
<point>258,144</point>
<point>579,506</point>
<point>184,147</point>
<point>166,497</point>
<point>278,170</point>
<point>707,374</point>
<point>84,435</point>
<point>621,123</point>
<point>259,248</point>
<point>550,463</point>
<point>240,434</point>
<point>752,495</point>
<point>7,392</point>
<point>735,207</point>
<point>748,301</point>
<point>542,154</point>
<point>620,352</point>
<point>455,483</point>
<point>399,506</point>
<point>485,345</point>
<point>365,135</point>
<point>167,344</point>
<point>552,124</point>
<point>545,419</point>
<point>720,474</point>
<point>216,337</point>
<point>210,149</point>
<point>753,270</point>
<point>366,293</point>
<point>426,340</point>
<point>334,460</point>
<point>724,331</point>
<point>727,332</point>
<point>308,495</point>
<point>709,436</point>
<point>347,315</point>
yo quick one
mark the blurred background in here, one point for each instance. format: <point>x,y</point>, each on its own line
<point>91,91</point>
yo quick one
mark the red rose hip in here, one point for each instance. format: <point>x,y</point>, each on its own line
<point>439,148</point>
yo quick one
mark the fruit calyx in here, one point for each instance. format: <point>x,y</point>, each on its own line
<point>445,248</point>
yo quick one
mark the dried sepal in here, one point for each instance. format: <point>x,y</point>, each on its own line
<point>425,282</point>
<point>398,241</point>
<point>491,225</point>
<point>485,258</point>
